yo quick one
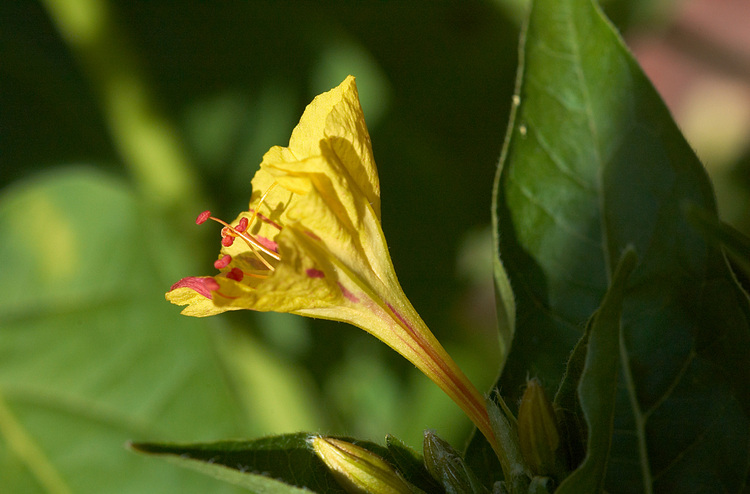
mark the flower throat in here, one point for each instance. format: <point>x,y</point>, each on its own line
<point>262,248</point>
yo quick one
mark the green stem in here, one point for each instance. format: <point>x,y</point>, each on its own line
<point>145,139</point>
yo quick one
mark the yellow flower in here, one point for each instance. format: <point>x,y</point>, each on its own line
<point>311,243</point>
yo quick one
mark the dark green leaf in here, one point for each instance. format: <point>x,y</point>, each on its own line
<point>285,459</point>
<point>283,463</point>
<point>595,390</point>
<point>568,407</point>
<point>737,244</point>
<point>593,163</point>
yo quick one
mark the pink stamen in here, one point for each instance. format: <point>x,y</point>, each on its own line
<point>227,241</point>
<point>242,226</point>
<point>223,262</point>
<point>235,274</point>
<point>266,219</point>
<point>315,273</point>
<point>202,217</point>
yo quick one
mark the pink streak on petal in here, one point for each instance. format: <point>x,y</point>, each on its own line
<point>400,317</point>
<point>268,244</point>
<point>312,235</point>
<point>203,285</point>
<point>315,273</point>
<point>349,295</point>
<point>266,219</point>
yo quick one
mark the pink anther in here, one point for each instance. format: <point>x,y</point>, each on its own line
<point>227,241</point>
<point>235,274</point>
<point>242,226</point>
<point>223,262</point>
<point>315,273</point>
<point>202,217</point>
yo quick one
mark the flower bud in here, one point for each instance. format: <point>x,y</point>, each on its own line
<point>358,470</point>
<point>447,466</point>
<point>537,430</point>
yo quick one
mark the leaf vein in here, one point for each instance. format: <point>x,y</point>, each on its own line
<point>548,91</point>
<point>640,425</point>
<point>565,225</point>
<point>556,159</point>
<point>670,389</point>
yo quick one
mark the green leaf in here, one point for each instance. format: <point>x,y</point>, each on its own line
<point>570,417</point>
<point>283,463</point>
<point>593,163</point>
<point>254,483</point>
<point>90,353</point>
<point>736,244</point>
<point>595,390</point>
<point>505,305</point>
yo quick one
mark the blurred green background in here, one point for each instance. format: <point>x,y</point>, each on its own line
<point>120,121</point>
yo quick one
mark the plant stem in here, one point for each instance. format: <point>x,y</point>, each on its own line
<point>145,139</point>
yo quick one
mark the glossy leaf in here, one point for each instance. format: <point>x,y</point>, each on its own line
<point>593,162</point>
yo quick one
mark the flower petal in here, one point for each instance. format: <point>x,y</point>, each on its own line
<point>195,292</point>
<point>337,116</point>
<point>303,280</point>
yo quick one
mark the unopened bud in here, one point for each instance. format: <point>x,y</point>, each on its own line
<point>358,470</point>
<point>447,466</point>
<point>537,430</point>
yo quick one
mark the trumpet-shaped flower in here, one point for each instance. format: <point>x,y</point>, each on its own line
<point>311,243</point>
